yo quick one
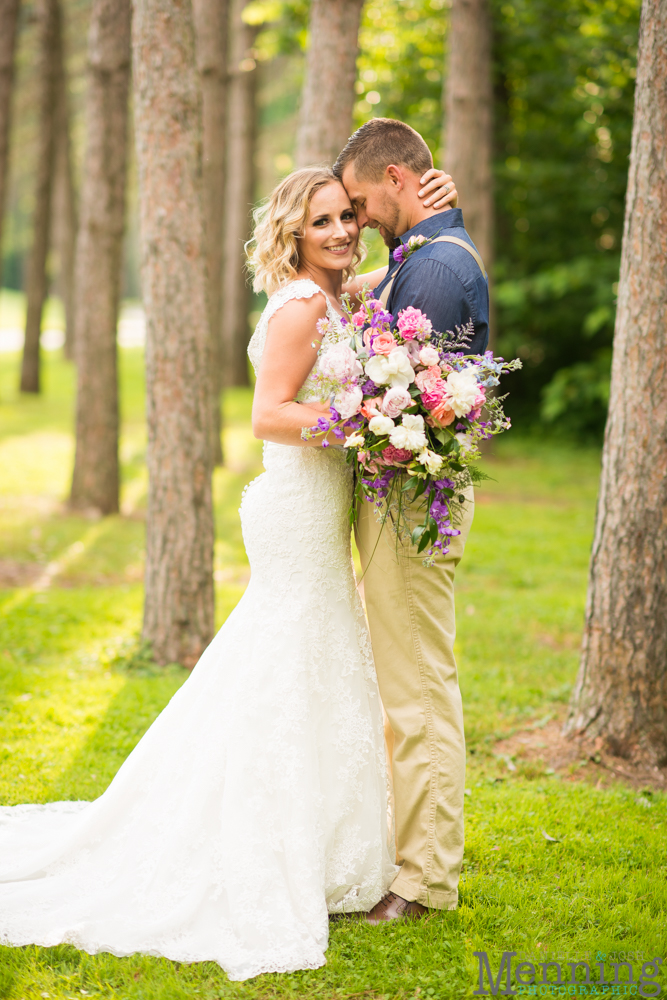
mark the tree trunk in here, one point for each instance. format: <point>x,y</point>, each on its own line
<point>50,43</point>
<point>239,195</point>
<point>95,482</point>
<point>8,17</point>
<point>325,121</point>
<point>621,690</point>
<point>468,126</point>
<point>178,611</point>
<point>65,214</point>
<point>211,28</point>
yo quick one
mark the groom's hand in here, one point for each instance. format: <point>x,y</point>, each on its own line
<point>438,189</point>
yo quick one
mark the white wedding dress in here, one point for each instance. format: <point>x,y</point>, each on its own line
<point>257,801</point>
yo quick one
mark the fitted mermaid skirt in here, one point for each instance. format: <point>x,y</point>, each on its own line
<point>256,803</point>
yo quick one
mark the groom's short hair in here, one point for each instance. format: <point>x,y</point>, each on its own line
<point>378,143</point>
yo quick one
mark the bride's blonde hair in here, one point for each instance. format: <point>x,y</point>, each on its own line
<point>273,251</point>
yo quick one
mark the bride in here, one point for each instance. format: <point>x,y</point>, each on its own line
<point>256,803</point>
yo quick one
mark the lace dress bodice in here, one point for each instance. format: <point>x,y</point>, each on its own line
<point>303,288</point>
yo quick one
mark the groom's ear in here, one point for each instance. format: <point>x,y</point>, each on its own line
<point>395,176</point>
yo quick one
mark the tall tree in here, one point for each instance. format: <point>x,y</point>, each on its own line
<point>621,690</point>
<point>178,610</point>
<point>211,29</point>
<point>65,212</point>
<point>239,193</point>
<point>8,17</point>
<point>468,127</point>
<point>50,60</point>
<point>95,482</point>
<point>325,120</point>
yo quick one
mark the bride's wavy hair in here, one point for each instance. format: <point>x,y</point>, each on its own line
<point>273,251</point>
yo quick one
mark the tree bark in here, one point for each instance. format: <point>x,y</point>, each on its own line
<point>468,125</point>
<point>50,45</point>
<point>621,690</point>
<point>325,120</point>
<point>239,195</point>
<point>178,610</point>
<point>65,213</point>
<point>211,28</point>
<point>8,18</point>
<point>95,482</point>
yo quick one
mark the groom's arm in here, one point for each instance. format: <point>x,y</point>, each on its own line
<point>430,285</point>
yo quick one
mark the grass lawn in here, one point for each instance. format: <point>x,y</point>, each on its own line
<point>70,712</point>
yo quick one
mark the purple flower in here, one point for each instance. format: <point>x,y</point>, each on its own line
<point>369,388</point>
<point>399,254</point>
<point>323,424</point>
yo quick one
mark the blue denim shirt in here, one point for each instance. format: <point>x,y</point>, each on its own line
<point>443,280</point>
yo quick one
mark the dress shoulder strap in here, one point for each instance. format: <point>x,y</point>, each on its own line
<point>384,295</point>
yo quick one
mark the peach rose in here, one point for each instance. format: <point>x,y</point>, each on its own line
<point>384,343</point>
<point>441,415</point>
<point>371,408</point>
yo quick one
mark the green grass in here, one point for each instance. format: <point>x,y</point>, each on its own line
<point>70,711</point>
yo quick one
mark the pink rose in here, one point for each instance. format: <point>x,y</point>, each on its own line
<point>433,397</point>
<point>393,455</point>
<point>359,318</point>
<point>428,380</point>
<point>395,400</point>
<point>413,324</point>
<point>384,343</point>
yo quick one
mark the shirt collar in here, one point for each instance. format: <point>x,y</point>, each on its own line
<point>431,226</point>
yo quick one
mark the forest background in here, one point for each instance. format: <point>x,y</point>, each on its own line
<point>563,81</point>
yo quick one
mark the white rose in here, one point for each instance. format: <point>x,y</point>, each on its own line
<point>381,424</point>
<point>348,401</point>
<point>355,440</point>
<point>395,400</point>
<point>462,391</point>
<point>393,369</point>
<point>429,356</point>
<point>410,434</point>
<point>340,362</point>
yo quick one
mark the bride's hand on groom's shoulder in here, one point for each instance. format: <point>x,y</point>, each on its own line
<point>438,189</point>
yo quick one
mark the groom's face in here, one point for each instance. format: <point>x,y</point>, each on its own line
<point>376,205</point>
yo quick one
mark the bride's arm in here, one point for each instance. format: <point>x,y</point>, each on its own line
<point>289,355</point>
<point>438,190</point>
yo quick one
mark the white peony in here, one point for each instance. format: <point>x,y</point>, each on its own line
<point>395,400</point>
<point>381,424</point>
<point>432,461</point>
<point>393,369</point>
<point>462,391</point>
<point>410,434</point>
<point>348,401</point>
<point>355,440</point>
<point>340,362</point>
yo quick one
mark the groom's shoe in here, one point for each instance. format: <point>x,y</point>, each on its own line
<point>393,907</point>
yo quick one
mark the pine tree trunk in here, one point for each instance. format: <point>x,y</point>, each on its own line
<point>325,121</point>
<point>65,213</point>
<point>239,195</point>
<point>178,611</point>
<point>8,17</point>
<point>468,126</point>
<point>621,690</point>
<point>211,28</point>
<point>50,43</point>
<point>95,482</point>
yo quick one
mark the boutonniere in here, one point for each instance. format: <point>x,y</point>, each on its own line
<point>401,254</point>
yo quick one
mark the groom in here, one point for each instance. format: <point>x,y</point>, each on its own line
<point>410,607</point>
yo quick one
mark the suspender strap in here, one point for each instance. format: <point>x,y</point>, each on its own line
<point>384,296</point>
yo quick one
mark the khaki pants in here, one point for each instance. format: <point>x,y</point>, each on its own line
<point>411,616</point>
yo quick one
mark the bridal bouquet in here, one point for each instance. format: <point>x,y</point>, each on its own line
<point>418,409</point>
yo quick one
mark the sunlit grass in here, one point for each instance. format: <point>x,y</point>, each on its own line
<point>70,712</point>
